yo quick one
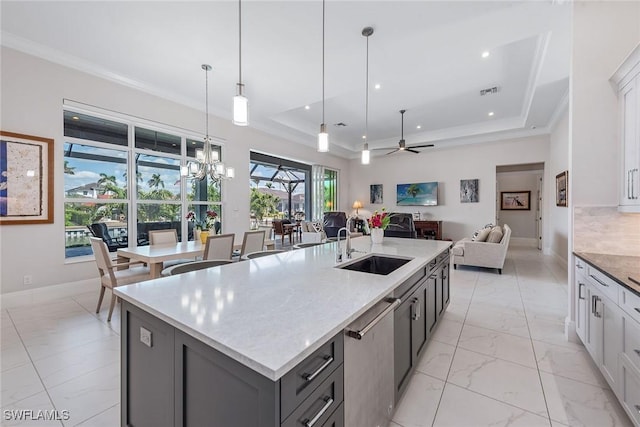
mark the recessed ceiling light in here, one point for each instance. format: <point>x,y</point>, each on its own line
<point>418,127</point>
<point>306,107</point>
<point>490,113</point>
<point>364,136</point>
<point>75,118</point>
<point>377,86</point>
<point>485,54</point>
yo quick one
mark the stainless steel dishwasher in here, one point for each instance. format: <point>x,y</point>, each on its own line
<point>368,367</point>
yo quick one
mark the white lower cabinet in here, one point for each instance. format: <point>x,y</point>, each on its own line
<point>610,333</point>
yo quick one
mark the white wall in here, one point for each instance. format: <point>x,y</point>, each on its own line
<point>32,94</point>
<point>447,166</point>
<point>558,217</point>
<point>523,223</point>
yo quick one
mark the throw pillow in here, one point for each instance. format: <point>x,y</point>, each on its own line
<point>316,225</point>
<point>482,235</point>
<point>496,235</point>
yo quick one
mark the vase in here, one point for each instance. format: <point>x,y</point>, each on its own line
<point>376,235</point>
<point>204,234</point>
<point>196,234</point>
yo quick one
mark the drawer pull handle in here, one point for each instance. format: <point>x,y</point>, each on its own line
<point>598,280</point>
<point>580,285</point>
<point>328,360</point>
<point>638,408</point>
<point>637,309</point>
<point>328,402</point>
<point>637,351</point>
<point>393,303</point>
<point>579,266</point>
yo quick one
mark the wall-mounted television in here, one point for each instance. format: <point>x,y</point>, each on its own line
<point>418,194</point>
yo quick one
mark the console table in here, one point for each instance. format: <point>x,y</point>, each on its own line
<point>429,229</point>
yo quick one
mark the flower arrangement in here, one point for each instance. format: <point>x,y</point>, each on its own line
<point>380,219</point>
<point>204,224</point>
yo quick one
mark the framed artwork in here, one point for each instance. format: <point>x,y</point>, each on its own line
<point>417,194</point>
<point>515,200</point>
<point>469,190</point>
<point>26,179</point>
<point>375,194</point>
<point>562,188</point>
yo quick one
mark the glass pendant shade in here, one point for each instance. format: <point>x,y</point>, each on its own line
<point>240,110</point>
<point>323,139</point>
<point>366,155</point>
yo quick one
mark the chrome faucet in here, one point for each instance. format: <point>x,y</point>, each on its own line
<point>347,238</point>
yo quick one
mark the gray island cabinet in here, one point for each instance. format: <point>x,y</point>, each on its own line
<point>261,343</point>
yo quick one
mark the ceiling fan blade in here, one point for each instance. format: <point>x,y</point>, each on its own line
<point>421,146</point>
<point>383,148</point>
<point>391,152</point>
<point>413,151</point>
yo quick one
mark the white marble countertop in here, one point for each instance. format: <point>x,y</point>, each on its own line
<point>270,313</point>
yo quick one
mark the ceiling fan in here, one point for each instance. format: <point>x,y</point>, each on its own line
<point>402,144</point>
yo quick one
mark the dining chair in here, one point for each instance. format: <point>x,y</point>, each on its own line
<point>195,265</point>
<point>219,246</point>
<point>159,237</point>
<point>260,254</point>
<point>280,230</point>
<point>252,241</point>
<point>110,276</point>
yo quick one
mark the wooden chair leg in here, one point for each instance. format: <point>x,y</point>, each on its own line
<point>291,238</point>
<point>113,303</point>
<point>100,299</point>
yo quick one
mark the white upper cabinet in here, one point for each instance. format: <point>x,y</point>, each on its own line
<point>627,81</point>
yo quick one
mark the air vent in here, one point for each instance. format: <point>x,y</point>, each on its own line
<point>489,91</point>
<point>340,124</point>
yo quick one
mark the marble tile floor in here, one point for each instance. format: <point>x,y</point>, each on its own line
<point>498,358</point>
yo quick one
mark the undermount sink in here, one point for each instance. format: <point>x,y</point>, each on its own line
<point>376,264</point>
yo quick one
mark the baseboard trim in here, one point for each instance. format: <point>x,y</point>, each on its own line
<point>524,241</point>
<point>47,293</point>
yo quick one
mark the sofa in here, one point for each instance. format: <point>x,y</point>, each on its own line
<point>401,225</point>
<point>482,253</point>
<point>332,222</point>
<point>312,232</point>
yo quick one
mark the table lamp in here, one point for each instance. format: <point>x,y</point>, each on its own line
<point>357,205</point>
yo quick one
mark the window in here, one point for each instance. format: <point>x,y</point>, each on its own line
<point>128,176</point>
<point>330,190</point>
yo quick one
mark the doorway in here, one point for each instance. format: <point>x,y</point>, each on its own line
<point>526,180</point>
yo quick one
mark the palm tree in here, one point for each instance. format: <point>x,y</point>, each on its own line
<point>106,180</point>
<point>69,170</point>
<point>413,190</point>
<point>155,181</point>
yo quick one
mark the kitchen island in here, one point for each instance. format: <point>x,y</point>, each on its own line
<point>265,316</point>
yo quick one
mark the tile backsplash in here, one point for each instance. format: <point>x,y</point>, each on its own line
<point>604,230</point>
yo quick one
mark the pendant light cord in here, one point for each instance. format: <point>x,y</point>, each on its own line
<point>240,41</point>
<point>323,61</point>
<point>366,107</point>
<point>206,100</point>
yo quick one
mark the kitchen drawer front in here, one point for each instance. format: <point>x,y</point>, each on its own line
<point>407,285</point>
<point>630,392</point>
<point>603,283</point>
<point>318,407</point>
<point>631,343</point>
<point>630,303</point>
<point>337,418</point>
<point>302,380</point>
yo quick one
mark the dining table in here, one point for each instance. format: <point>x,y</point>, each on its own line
<point>155,255</point>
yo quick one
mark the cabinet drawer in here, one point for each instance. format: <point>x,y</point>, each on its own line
<point>336,419</point>
<point>631,343</point>
<point>407,285</point>
<point>631,391</point>
<point>302,380</point>
<point>630,303</point>
<point>603,283</point>
<point>318,407</point>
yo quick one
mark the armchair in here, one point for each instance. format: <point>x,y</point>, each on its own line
<point>101,231</point>
<point>482,254</point>
<point>332,222</point>
<point>401,225</point>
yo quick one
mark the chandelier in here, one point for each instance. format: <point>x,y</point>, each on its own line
<point>207,163</point>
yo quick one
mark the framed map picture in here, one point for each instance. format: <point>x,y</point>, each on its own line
<point>26,179</point>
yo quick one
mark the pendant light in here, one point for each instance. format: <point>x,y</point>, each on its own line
<point>323,136</point>
<point>240,103</point>
<point>366,154</point>
<point>207,162</point>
